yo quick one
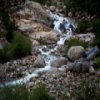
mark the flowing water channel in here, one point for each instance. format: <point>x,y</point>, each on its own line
<point>62,26</point>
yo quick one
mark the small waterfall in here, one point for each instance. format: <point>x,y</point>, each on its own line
<point>61,25</point>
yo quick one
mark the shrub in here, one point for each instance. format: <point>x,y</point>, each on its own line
<point>97,60</point>
<point>5,54</point>
<point>82,26</point>
<point>22,93</point>
<point>21,46</point>
<point>9,26</point>
<point>40,93</point>
<point>96,29</point>
<point>14,93</point>
<point>10,31</point>
<point>72,5</point>
<point>87,90</point>
<point>90,6</point>
<point>74,42</point>
<point>2,34</point>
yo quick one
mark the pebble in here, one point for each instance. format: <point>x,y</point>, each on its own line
<point>16,66</point>
<point>98,73</point>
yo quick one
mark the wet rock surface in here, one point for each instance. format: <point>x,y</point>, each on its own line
<point>47,63</point>
<point>39,62</point>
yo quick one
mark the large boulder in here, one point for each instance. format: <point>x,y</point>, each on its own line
<point>48,37</point>
<point>89,37</point>
<point>31,17</point>
<point>81,66</point>
<point>39,62</point>
<point>27,26</point>
<point>75,52</point>
<point>33,10</point>
<point>59,62</point>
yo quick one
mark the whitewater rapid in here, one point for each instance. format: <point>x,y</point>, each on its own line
<point>62,26</point>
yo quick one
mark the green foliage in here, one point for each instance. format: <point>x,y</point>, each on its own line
<point>22,93</point>
<point>40,93</point>
<point>88,90</point>
<point>91,6</point>
<point>21,46</point>
<point>5,55</point>
<point>9,26</point>
<point>97,60</point>
<point>72,5</point>
<point>83,25</point>
<point>64,96</point>
<point>74,42</point>
<point>96,29</point>
<point>2,34</point>
<point>10,31</point>
<point>14,93</point>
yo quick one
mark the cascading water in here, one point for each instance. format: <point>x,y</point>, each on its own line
<point>63,26</point>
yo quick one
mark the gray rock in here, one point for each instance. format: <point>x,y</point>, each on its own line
<point>85,66</point>
<point>91,70</point>
<point>77,66</point>
<point>59,62</point>
<point>69,66</point>
<point>81,66</point>
<point>91,53</point>
<point>39,62</point>
<point>52,8</point>
<point>98,73</point>
<point>88,38</point>
<point>75,52</point>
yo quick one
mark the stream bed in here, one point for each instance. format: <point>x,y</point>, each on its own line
<point>65,29</point>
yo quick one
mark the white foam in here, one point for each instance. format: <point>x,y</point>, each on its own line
<point>47,54</point>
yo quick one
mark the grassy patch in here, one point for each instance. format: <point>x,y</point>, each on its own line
<point>74,42</point>
<point>39,92</point>
<point>83,25</point>
<point>21,46</point>
<point>97,60</point>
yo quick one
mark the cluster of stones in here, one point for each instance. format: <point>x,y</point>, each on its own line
<point>59,82</point>
<point>64,75</point>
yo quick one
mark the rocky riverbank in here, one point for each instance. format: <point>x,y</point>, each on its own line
<point>50,32</point>
<point>61,81</point>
